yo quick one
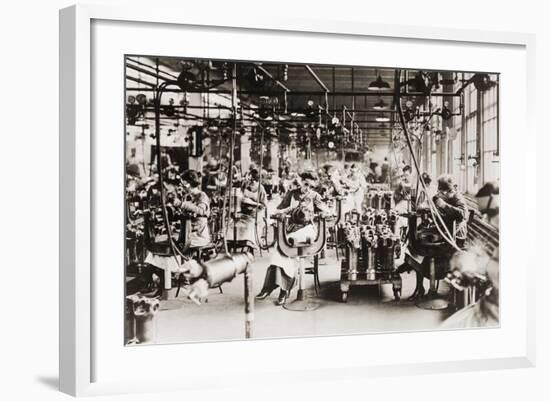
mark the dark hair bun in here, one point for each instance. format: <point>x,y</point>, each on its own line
<point>307,176</point>
<point>192,177</point>
<point>254,174</point>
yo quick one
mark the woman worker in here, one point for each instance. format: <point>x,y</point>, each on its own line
<point>251,197</point>
<point>358,186</point>
<point>339,188</point>
<point>451,206</point>
<point>300,204</point>
<point>197,207</point>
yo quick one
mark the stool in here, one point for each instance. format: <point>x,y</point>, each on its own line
<point>242,246</point>
<point>314,270</point>
<point>432,300</point>
<point>302,302</point>
<point>309,247</point>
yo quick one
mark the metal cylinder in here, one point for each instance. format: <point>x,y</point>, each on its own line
<point>145,310</point>
<point>248,303</point>
<point>145,328</point>
<point>371,266</point>
<point>351,256</point>
<point>224,269</point>
<point>364,254</point>
<point>129,321</point>
<point>387,200</point>
<point>390,249</point>
<point>371,274</point>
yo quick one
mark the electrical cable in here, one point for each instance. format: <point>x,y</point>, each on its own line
<point>231,162</point>
<point>173,246</point>
<point>261,247</point>
<point>433,210</point>
<point>259,188</point>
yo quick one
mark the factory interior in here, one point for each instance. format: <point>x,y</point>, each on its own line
<point>275,200</point>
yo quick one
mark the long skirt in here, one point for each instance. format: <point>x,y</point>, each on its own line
<point>246,229</point>
<point>422,263</point>
<point>282,269</point>
<point>275,277</point>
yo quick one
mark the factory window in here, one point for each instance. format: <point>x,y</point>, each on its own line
<point>471,140</point>
<point>489,130</point>
<point>457,153</point>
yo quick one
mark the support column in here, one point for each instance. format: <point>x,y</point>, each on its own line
<point>274,155</point>
<point>195,163</point>
<point>245,151</point>
<point>444,153</point>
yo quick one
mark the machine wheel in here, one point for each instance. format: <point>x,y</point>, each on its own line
<point>344,296</point>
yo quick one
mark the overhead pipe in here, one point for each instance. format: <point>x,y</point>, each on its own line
<point>292,121</point>
<point>316,78</point>
<point>141,81</point>
<point>143,71</point>
<point>282,111</point>
<point>308,93</point>
<point>266,72</point>
<point>172,76</point>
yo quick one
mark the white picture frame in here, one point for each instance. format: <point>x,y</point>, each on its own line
<point>78,371</point>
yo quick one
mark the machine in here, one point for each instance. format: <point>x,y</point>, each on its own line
<point>371,247</point>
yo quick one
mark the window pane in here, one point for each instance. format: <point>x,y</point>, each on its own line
<point>491,165</point>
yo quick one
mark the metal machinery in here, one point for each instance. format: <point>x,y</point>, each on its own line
<point>371,246</point>
<point>468,285</point>
<point>379,197</point>
<point>300,250</point>
<point>425,240</point>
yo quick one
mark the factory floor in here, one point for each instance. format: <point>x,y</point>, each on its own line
<point>366,311</point>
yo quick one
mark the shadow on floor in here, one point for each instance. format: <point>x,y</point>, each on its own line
<point>51,382</point>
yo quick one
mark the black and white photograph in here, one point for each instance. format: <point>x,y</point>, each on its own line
<point>288,200</point>
<point>268,200</point>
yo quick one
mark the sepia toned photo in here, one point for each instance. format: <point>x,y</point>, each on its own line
<point>274,200</point>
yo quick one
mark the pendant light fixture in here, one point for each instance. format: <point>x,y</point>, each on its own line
<point>380,105</point>
<point>378,84</point>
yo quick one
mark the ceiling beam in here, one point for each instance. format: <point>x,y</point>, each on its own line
<point>266,72</point>
<point>309,93</point>
<point>316,78</point>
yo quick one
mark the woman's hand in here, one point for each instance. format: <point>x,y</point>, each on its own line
<point>250,202</point>
<point>277,215</point>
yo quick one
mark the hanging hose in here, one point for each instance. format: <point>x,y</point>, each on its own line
<point>173,246</point>
<point>433,210</point>
<point>259,188</point>
<point>225,215</point>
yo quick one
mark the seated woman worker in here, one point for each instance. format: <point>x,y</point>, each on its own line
<point>251,198</point>
<point>197,208</point>
<point>183,199</point>
<point>453,210</point>
<point>300,204</point>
